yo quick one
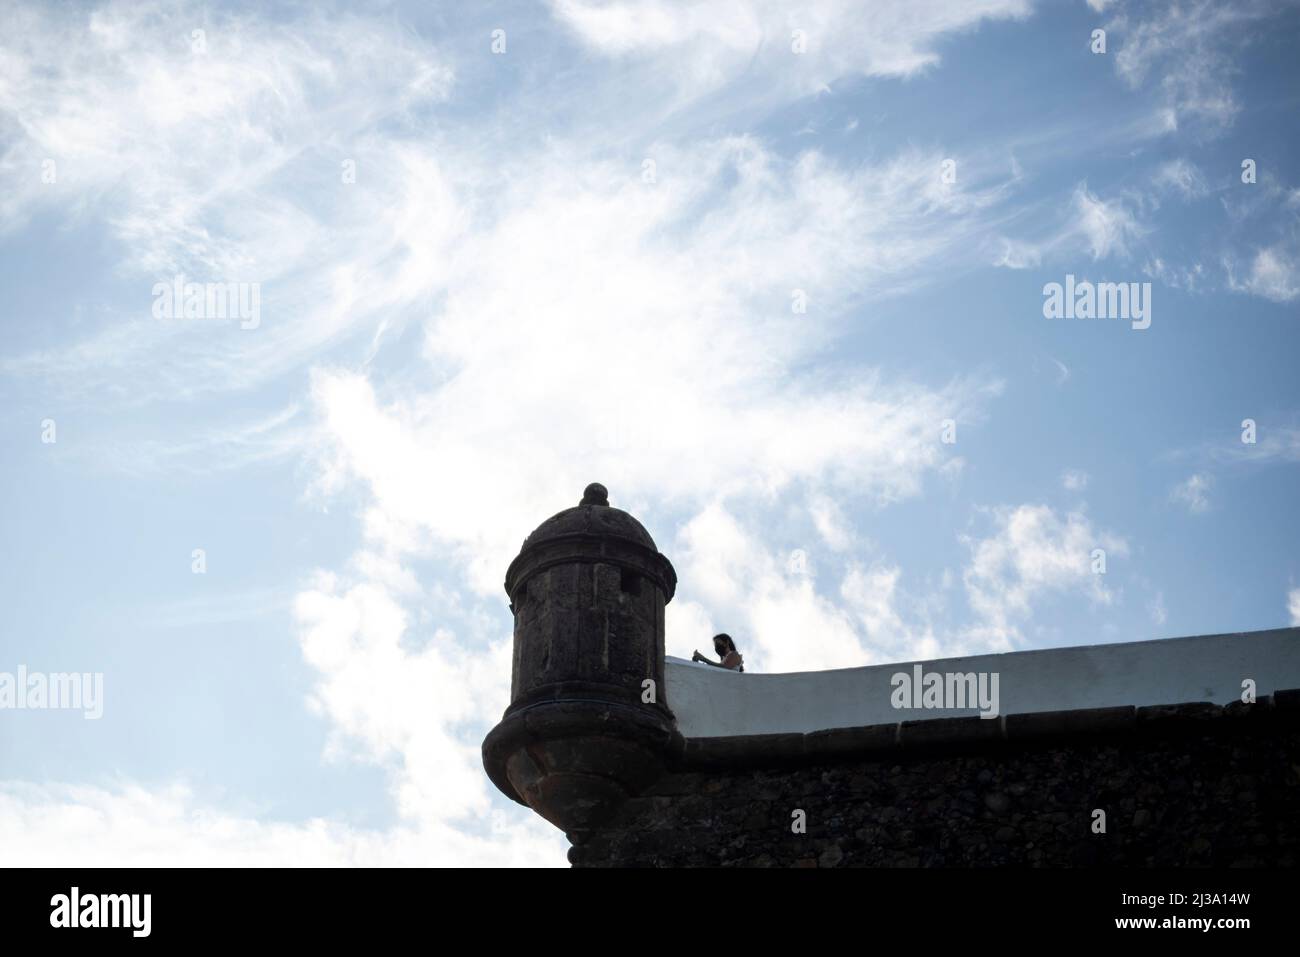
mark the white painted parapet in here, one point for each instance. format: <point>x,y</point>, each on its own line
<point>713,702</point>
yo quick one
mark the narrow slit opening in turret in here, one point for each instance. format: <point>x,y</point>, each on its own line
<point>629,582</point>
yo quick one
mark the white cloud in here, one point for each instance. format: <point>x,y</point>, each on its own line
<point>222,166</point>
<point>831,523</point>
<point>1193,492</point>
<point>591,279</point>
<point>898,626</point>
<point>133,826</point>
<point>781,616</point>
<point>398,706</point>
<point>1074,480</point>
<point>1104,227</point>
<point>1190,278</point>
<point>1182,177</point>
<point>225,447</point>
<point>779,620</point>
<point>174,143</point>
<point>872,593</point>
<point>1107,226</point>
<point>1156,608</point>
<point>1190,48</point>
<point>1278,443</point>
<point>1018,254</point>
<point>1032,552</point>
<point>702,46</point>
<point>1274,273</point>
<point>1293,606</point>
<point>1275,443</point>
<point>1062,370</point>
<point>688,627</point>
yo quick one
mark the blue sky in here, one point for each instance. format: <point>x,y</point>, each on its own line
<point>712,255</point>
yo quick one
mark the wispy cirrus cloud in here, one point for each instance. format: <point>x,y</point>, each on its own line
<point>218,159</point>
<point>1182,177</point>
<point>1086,222</point>
<point>1108,226</point>
<point>1189,50</point>
<point>1272,441</point>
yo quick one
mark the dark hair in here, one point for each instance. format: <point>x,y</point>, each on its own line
<point>731,645</point>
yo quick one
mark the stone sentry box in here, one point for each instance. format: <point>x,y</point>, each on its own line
<point>588,724</point>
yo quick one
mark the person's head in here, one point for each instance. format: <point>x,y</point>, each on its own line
<point>723,645</point>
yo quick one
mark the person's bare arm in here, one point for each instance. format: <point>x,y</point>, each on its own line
<point>731,662</point>
<point>700,658</point>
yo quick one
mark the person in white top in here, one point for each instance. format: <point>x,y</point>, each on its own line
<point>726,651</point>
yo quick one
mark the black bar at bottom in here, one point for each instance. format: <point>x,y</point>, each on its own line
<point>214,906</point>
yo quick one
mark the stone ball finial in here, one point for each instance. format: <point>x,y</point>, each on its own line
<point>595,494</point>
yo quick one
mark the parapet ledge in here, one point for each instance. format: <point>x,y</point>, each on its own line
<point>975,733</point>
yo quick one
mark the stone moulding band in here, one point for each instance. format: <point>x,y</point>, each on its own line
<point>556,719</point>
<point>641,560</point>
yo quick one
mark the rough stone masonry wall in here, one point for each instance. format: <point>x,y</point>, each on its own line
<point>1181,785</point>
